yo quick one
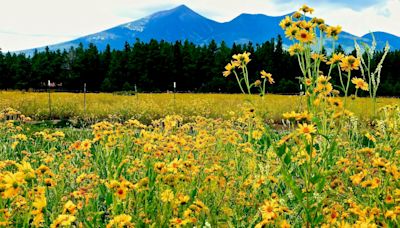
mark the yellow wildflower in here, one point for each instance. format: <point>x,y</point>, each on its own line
<point>295,49</point>
<point>63,220</point>
<point>305,36</point>
<point>360,83</point>
<point>349,63</point>
<point>167,196</point>
<point>122,220</point>
<point>286,22</point>
<point>268,76</point>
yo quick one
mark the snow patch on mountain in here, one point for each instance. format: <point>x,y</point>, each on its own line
<point>139,25</point>
<point>102,36</point>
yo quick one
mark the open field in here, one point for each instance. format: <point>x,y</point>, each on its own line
<point>204,173</point>
<point>148,107</point>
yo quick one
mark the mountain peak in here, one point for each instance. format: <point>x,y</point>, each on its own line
<point>177,11</point>
<point>182,7</point>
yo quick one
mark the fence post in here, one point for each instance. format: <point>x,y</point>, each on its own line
<point>174,93</point>
<point>136,93</point>
<point>84,98</point>
<point>301,89</point>
<point>48,89</point>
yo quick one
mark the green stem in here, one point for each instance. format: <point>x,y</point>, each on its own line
<point>300,60</point>
<point>246,75</point>
<point>341,79</point>
<point>238,81</point>
<point>333,51</point>
<point>308,187</point>
<point>347,88</point>
<point>264,87</point>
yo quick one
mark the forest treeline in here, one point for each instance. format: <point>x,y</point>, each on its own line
<point>155,65</point>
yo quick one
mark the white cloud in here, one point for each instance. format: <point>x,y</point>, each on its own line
<point>366,20</point>
<point>26,24</point>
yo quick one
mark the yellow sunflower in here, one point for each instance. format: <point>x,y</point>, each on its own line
<point>297,15</point>
<point>360,83</point>
<point>336,58</point>
<point>333,32</point>
<point>291,32</point>
<point>121,193</point>
<point>316,56</point>
<point>295,49</point>
<point>305,37</point>
<point>167,196</point>
<point>286,22</point>
<point>306,25</point>
<point>349,63</point>
<point>268,76</point>
<point>306,9</point>
<point>241,59</point>
<point>306,129</point>
<point>122,220</point>
<point>228,69</point>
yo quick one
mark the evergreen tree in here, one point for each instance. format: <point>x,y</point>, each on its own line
<point>155,65</point>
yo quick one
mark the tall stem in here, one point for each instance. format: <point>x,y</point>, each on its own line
<point>347,88</point>
<point>263,92</point>
<point>246,75</point>
<point>238,81</point>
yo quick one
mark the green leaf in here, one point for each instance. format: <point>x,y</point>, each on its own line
<point>281,150</point>
<point>287,159</point>
<point>321,184</point>
<point>292,185</point>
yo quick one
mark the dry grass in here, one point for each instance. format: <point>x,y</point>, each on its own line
<point>147,107</point>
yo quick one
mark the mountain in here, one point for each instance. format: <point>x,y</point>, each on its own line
<point>381,38</point>
<point>182,23</point>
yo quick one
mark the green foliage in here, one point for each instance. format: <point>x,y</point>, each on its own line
<point>155,65</point>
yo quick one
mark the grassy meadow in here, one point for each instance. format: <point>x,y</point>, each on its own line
<point>147,107</point>
<point>204,172</point>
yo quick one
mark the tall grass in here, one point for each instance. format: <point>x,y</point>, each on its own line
<point>147,107</point>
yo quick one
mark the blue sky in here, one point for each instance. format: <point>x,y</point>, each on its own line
<point>33,23</point>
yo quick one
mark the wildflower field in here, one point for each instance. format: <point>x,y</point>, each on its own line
<point>148,107</point>
<point>211,160</point>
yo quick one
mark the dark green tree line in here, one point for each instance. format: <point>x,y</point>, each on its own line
<point>155,65</point>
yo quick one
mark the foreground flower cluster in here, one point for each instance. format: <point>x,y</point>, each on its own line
<point>207,172</point>
<point>333,169</point>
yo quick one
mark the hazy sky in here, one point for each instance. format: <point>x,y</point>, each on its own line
<point>32,23</point>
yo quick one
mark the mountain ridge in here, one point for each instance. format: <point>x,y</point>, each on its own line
<point>182,23</point>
